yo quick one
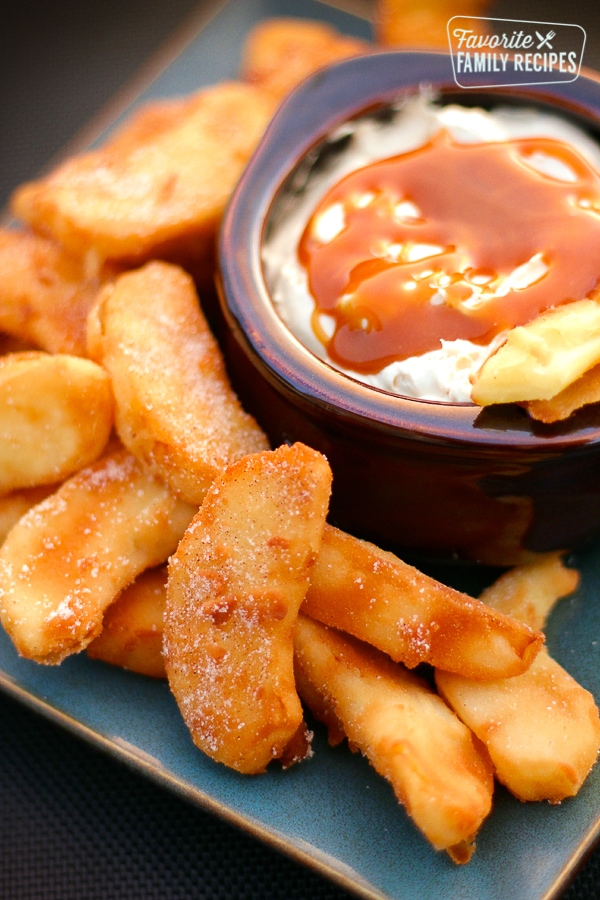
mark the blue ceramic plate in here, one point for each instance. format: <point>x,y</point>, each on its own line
<point>333,812</point>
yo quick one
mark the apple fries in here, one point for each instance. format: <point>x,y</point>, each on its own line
<point>373,595</point>
<point>541,728</point>
<point>132,627</point>
<point>175,409</point>
<point>279,53</point>
<point>160,190</point>
<point>582,392</point>
<point>56,415</point>
<point>84,567</point>
<point>68,558</point>
<point>407,732</point>
<point>45,294</point>
<point>529,592</point>
<point>368,592</point>
<point>539,360</point>
<point>422,24</point>
<point>14,505</point>
<point>235,586</point>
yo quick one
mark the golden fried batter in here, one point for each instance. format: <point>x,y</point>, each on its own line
<point>157,191</point>
<point>14,505</point>
<point>45,294</point>
<point>280,53</point>
<point>541,728</point>
<point>175,408</point>
<point>235,586</point>
<point>373,595</point>
<point>544,357</point>
<point>56,416</point>
<point>70,556</point>
<point>530,591</point>
<point>579,393</point>
<point>441,775</point>
<point>423,24</point>
<point>132,627</point>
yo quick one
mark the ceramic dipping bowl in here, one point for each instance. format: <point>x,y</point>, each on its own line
<point>430,480</point>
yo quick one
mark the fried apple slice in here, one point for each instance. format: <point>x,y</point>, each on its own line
<point>132,627</point>
<point>45,294</point>
<point>279,53</point>
<point>530,591</point>
<point>373,595</point>
<point>542,728</point>
<point>70,556</point>
<point>406,731</point>
<point>56,415</point>
<point>175,409</point>
<point>160,196</point>
<point>330,581</point>
<point>583,391</point>
<point>148,122</point>
<point>540,359</point>
<point>14,505</point>
<point>423,23</point>
<point>235,586</point>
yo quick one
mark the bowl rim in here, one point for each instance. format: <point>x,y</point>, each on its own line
<point>315,108</point>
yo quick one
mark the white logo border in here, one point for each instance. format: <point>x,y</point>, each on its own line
<point>514,83</point>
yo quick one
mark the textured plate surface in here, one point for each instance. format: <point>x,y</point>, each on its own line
<point>333,812</point>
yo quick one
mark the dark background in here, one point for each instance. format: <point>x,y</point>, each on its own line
<point>75,824</point>
<point>61,61</point>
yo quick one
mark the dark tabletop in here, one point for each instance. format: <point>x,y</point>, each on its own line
<point>74,823</point>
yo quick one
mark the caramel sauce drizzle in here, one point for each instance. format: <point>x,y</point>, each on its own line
<point>426,240</point>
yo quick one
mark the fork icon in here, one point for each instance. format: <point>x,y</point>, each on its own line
<point>545,41</point>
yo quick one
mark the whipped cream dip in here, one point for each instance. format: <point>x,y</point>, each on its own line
<point>442,374</point>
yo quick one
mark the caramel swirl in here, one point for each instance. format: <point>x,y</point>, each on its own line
<point>450,241</point>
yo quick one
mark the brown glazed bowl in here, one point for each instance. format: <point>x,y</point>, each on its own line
<point>432,481</point>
